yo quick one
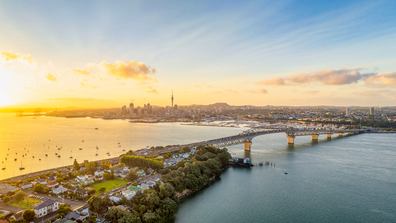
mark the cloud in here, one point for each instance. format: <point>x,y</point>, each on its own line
<point>231,91</point>
<point>272,81</point>
<point>151,90</point>
<point>311,92</point>
<point>325,77</point>
<point>388,78</point>
<point>81,71</point>
<point>131,69</point>
<point>9,56</point>
<point>51,77</point>
<point>84,85</point>
<point>260,91</point>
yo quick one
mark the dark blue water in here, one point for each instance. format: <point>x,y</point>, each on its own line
<point>346,179</point>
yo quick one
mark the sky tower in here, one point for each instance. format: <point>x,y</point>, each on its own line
<point>172,98</point>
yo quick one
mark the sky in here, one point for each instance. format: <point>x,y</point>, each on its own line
<point>110,53</point>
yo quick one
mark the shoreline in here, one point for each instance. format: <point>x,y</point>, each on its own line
<point>41,172</point>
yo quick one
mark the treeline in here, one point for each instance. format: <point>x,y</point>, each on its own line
<point>141,162</point>
<point>159,203</point>
<point>194,174</point>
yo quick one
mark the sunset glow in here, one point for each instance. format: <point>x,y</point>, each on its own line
<point>260,53</point>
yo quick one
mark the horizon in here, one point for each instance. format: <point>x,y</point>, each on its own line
<point>105,55</point>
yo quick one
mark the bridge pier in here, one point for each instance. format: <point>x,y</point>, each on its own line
<point>315,137</point>
<point>329,135</point>
<point>340,134</point>
<point>290,139</point>
<point>247,145</point>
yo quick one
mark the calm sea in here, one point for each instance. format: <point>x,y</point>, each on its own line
<point>346,179</point>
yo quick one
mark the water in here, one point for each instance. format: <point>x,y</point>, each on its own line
<point>44,135</point>
<point>347,179</point>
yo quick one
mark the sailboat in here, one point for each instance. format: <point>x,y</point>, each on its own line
<point>21,168</point>
<point>71,154</point>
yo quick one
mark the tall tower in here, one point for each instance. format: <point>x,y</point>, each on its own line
<point>172,97</point>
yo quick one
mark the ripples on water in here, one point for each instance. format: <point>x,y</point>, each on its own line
<point>346,179</point>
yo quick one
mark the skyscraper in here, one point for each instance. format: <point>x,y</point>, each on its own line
<point>372,111</point>
<point>172,98</point>
<point>347,112</point>
<point>131,108</point>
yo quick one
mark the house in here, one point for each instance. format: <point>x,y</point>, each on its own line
<point>150,170</point>
<point>134,188</point>
<point>26,185</point>
<point>52,184</point>
<point>141,173</point>
<point>64,220</point>
<point>4,212</point>
<point>59,190</point>
<point>89,178</point>
<point>17,216</point>
<point>98,173</point>
<point>81,179</point>
<point>39,181</point>
<point>123,173</point>
<point>52,178</point>
<point>128,193</point>
<point>74,216</point>
<point>83,210</point>
<point>72,189</point>
<point>143,186</point>
<point>81,192</point>
<point>5,188</point>
<point>150,183</point>
<point>46,207</point>
<point>126,168</point>
<point>116,198</point>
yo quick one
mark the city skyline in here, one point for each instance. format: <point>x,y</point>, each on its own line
<point>102,55</point>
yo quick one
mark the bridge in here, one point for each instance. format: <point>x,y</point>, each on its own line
<point>247,136</point>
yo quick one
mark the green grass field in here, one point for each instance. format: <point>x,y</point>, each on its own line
<point>109,184</point>
<point>26,203</point>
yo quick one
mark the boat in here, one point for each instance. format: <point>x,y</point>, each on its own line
<point>46,154</point>
<point>123,150</point>
<point>21,168</point>
<point>96,154</point>
<point>96,128</point>
<point>80,148</point>
<point>33,157</point>
<point>83,141</point>
<point>3,168</point>
<point>59,156</point>
<point>15,159</point>
<point>39,159</point>
<point>56,154</point>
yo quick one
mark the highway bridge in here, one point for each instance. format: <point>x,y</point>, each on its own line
<point>247,136</point>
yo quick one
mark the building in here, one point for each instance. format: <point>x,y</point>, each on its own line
<point>46,207</point>
<point>372,111</point>
<point>128,193</point>
<point>116,198</point>
<point>59,190</point>
<point>347,112</point>
<point>52,184</point>
<point>81,192</point>
<point>5,188</point>
<point>26,185</point>
<point>131,108</point>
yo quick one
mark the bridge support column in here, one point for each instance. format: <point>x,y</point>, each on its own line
<point>247,145</point>
<point>290,139</point>
<point>340,134</point>
<point>315,137</point>
<point>329,135</point>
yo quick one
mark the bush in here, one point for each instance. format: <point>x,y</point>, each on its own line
<point>6,199</point>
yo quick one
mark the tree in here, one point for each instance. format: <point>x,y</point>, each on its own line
<point>20,195</point>
<point>185,149</point>
<point>13,221</point>
<point>2,217</point>
<point>95,203</point>
<point>38,188</point>
<point>102,190</point>
<point>59,179</point>
<point>108,176</point>
<point>63,209</point>
<point>91,191</point>
<point>90,167</point>
<point>131,176</point>
<point>119,215</point>
<point>150,217</point>
<point>76,166</point>
<point>6,199</point>
<point>28,215</point>
<point>91,218</point>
